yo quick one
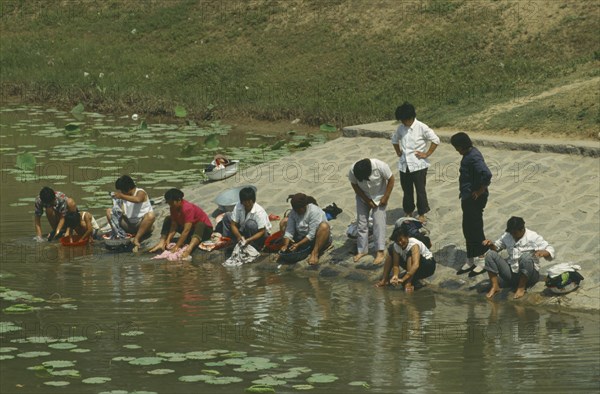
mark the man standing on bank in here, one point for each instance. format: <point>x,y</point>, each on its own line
<point>410,142</point>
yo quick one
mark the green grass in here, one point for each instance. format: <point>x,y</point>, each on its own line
<point>341,62</point>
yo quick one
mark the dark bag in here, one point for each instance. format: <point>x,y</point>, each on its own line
<point>332,211</point>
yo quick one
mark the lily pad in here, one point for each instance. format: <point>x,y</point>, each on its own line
<point>215,364</point>
<point>80,350</point>
<point>58,364</point>
<point>163,371</point>
<point>65,346</point>
<point>72,373</point>
<point>123,358</point>
<point>223,380</point>
<point>8,326</point>
<point>77,109</point>
<point>260,388</point>
<point>328,128</point>
<point>302,387</point>
<point>8,349</point>
<point>180,112</point>
<point>322,378</point>
<point>359,383</point>
<point>132,333</point>
<point>132,346</point>
<point>269,381</point>
<point>194,378</point>
<point>212,141</point>
<point>6,357</point>
<point>19,308</point>
<point>75,339</point>
<point>57,383</point>
<point>33,354</point>
<point>147,361</point>
<point>199,355</point>
<point>96,380</point>
<point>210,372</point>
<point>26,162</point>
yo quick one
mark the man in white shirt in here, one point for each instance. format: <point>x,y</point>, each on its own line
<point>524,248</point>
<point>372,181</point>
<point>410,142</point>
<point>248,223</point>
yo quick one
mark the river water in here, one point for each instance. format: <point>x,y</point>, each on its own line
<point>148,326</point>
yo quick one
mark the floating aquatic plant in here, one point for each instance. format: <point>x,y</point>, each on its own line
<point>302,387</point>
<point>322,378</point>
<point>65,346</point>
<point>33,354</point>
<point>146,361</point>
<point>360,383</point>
<point>223,380</point>
<point>194,378</point>
<point>8,326</point>
<point>58,364</point>
<point>269,381</point>
<point>260,388</point>
<point>96,380</point>
<point>163,371</point>
<point>132,333</point>
<point>8,349</point>
<point>26,162</point>
<point>57,383</point>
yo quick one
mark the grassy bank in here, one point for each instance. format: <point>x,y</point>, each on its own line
<point>477,64</point>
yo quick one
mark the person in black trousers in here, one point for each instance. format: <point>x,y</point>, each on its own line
<point>474,180</point>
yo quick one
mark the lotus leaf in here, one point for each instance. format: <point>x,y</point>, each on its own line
<point>180,112</point>
<point>7,326</point>
<point>259,388</point>
<point>303,387</point>
<point>96,380</point>
<point>132,346</point>
<point>360,383</point>
<point>62,346</point>
<point>6,357</point>
<point>147,361</point>
<point>321,378</point>
<point>57,383</point>
<point>58,364</point>
<point>123,358</point>
<point>132,333</point>
<point>194,378</point>
<point>223,380</point>
<point>33,354</point>
<point>80,350</point>
<point>163,371</point>
<point>74,339</point>
<point>26,162</point>
<point>210,372</point>
<point>215,364</point>
<point>198,355</point>
<point>328,128</point>
<point>7,349</point>
<point>269,381</point>
<point>73,373</point>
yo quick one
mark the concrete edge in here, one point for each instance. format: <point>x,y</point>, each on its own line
<point>581,148</point>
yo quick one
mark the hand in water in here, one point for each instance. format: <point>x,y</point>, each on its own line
<point>38,238</point>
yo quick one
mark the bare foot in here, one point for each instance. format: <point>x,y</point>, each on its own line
<point>313,260</point>
<point>359,256</point>
<point>381,283</point>
<point>409,288</point>
<point>379,257</point>
<point>422,219</point>
<point>493,291</point>
<point>136,249</point>
<point>159,247</point>
<point>519,293</point>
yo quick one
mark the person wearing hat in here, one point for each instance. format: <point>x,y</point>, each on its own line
<point>372,181</point>
<point>474,179</point>
<point>524,248</point>
<point>306,226</point>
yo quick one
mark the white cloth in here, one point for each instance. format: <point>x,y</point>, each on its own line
<point>134,212</point>
<point>529,242</point>
<point>257,213</point>
<point>300,226</point>
<point>376,185</point>
<point>412,139</point>
<point>241,255</point>
<point>405,253</point>
<point>561,268</point>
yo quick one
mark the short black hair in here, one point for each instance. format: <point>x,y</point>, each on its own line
<point>515,223</point>
<point>461,140</point>
<point>124,183</point>
<point>362,170</point>
<point>47,195</point>
<point>247,193</point>
<point>174,195</point>
<point>406,111</point>
<point>72,219</point>
<point>402,230</point>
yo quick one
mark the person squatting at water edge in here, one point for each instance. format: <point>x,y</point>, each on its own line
<point>372,181</point>
<point>521,270</point>
<point>185,218</point>
<point>410,141</point>
<point>412,255</point>
<point>474,180</point>
<point>131,211</point>
<point>306,228</point>
<point>56,205</point>
<point>248,222</point>
<point>82,224</point>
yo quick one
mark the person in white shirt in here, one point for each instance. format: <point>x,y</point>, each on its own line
<point>410,142</point>
<point>372,181</point>
<point>248,222</point>
<point>412,255</point>
<point>524,248</point>
<point>132,211</point>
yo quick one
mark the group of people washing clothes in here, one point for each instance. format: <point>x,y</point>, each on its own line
<point>306,233</point>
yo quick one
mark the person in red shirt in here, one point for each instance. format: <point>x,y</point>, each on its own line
<point>186,218</point>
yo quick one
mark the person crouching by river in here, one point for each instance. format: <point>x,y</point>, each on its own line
<point>307,229</point>
<point>56,205</point>
<point>372,181</point>
<point>185,218</point>
<point>248,222</point>
<point>524,247</point>
<point>412,255</point>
